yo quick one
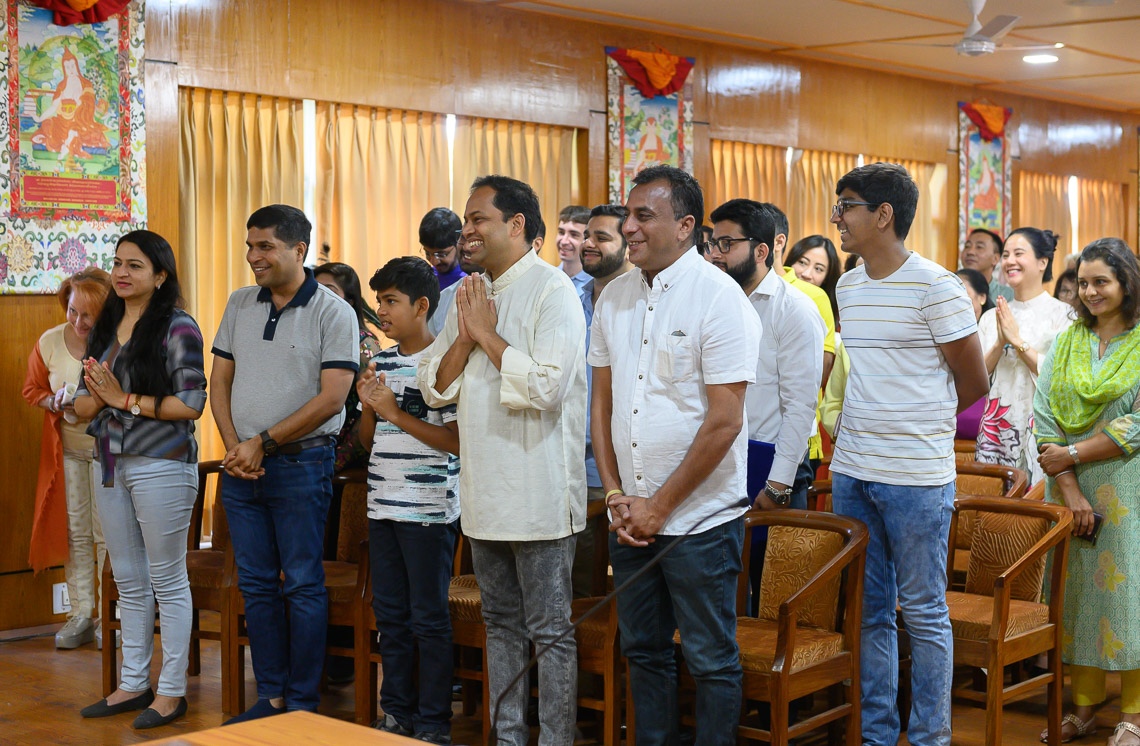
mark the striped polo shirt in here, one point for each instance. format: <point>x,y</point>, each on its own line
<point>900,406</point>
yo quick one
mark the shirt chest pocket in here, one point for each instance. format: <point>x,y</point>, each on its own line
<point>675,359</point>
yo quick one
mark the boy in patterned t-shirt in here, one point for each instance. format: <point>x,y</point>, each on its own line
<point>413,507</point>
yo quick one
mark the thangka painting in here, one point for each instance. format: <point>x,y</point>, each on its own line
<point>985,170</point>
<point>73,166</point>
<point>649,115</point>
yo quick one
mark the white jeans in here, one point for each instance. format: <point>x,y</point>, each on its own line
<point>86,553</point>
<point>146,516</point>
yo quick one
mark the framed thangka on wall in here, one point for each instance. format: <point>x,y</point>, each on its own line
<point>985,170</point>
<point>71,120</point>
<point>649,115</point>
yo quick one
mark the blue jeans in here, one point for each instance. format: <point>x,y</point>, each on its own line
<point>411,571</point>
<point>693,589</point>
<point>906,562</point>
<point>277,525</point>
<point>146,516</point>
<point>526,593</point>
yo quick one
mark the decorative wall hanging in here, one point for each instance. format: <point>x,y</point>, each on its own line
<point>649,114</point>
<point>72,170</point>
<point>985,169</point>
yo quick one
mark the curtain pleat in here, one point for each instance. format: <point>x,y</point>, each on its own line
<point>1100,211</point>
<point>240,151</point>
<point>378,172</point>
<point>544,156</point>
<point>746,170</point>
<point>1044,204</point>
<point>814,176</point>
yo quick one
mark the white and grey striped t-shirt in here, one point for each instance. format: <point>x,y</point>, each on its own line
<point>409,480</point>
<point>900,407</point>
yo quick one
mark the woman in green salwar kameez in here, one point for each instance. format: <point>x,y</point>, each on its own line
<point>1087,424</point>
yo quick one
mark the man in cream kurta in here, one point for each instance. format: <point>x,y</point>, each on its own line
<point>511,355</point>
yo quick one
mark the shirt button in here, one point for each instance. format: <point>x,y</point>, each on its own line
<point>635,445</point>
<point>651,308</point>
<point>639,377</point>
<point>635,411</point>
<point>639,477</point>
<point>645,341</point>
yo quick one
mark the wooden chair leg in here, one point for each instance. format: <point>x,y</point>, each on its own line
<point>995,683</point>
<point>194,662</point>
<point>107,608</point>
<point>1054,692</point>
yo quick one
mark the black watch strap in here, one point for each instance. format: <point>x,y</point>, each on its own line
<point>268,444</point>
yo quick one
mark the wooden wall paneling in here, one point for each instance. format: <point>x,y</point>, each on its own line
<point>163,151</point>
<point>597,160</point>
<point>26,598</point>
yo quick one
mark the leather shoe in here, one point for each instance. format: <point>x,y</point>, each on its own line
<point>149,718</point>
<point>101,709</point>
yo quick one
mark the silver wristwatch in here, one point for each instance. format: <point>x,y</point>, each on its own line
<point>780,497</point>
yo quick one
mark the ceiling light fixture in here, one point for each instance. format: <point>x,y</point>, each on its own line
<point>1040,59</point>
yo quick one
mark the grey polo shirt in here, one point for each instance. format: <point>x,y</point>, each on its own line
<point>279,355</point>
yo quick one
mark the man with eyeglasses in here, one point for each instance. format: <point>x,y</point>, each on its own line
<point>439,233</point>
<point>910,333</point>
<point>781,404</point>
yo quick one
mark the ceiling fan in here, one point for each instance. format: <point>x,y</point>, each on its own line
<point>980,40</point>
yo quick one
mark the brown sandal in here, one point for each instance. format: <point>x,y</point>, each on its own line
<point>1083,729</point>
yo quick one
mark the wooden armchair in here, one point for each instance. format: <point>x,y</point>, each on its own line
<point>976,478</point>
<point>806,637</point>
<point>998,619</point>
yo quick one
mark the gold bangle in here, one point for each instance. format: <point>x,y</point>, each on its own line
<point>610,494</point>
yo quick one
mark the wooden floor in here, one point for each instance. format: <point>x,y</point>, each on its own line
<point>43,690</point>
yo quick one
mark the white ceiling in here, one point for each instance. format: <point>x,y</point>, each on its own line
<point>1099,64</point>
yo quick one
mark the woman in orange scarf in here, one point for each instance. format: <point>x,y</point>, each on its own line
<point>65,529</point>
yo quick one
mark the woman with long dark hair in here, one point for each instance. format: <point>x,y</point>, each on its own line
<point>343,280</point>
<point>143,387</point>
<point>1014,336</point>
<point>1087,410</point>
<point>815,260</point>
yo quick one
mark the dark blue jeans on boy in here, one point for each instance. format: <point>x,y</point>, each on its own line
<point>411,572</point>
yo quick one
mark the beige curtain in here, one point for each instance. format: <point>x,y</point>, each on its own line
<point>240,152</point>
<point>742,169</point>
<point>928,233</point>
<point>814,176</point>
<point>1100,211</point>
<point>378,172</point>
<point>544,156</point>
<point>1044,204</point>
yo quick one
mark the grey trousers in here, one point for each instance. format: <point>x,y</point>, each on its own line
<point>525,587</point>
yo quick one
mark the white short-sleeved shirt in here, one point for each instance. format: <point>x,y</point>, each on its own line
<point>899,410</point>
<point>781,404</point>
<point>408,480</point>
<point>664,344</point>
<point>522,429</point>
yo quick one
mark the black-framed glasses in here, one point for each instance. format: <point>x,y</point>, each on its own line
<point>722,244</point>
<point>842,205</point>
<point>438,254</point>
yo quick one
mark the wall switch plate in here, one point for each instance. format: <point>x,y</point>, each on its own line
<point>60,601</point>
